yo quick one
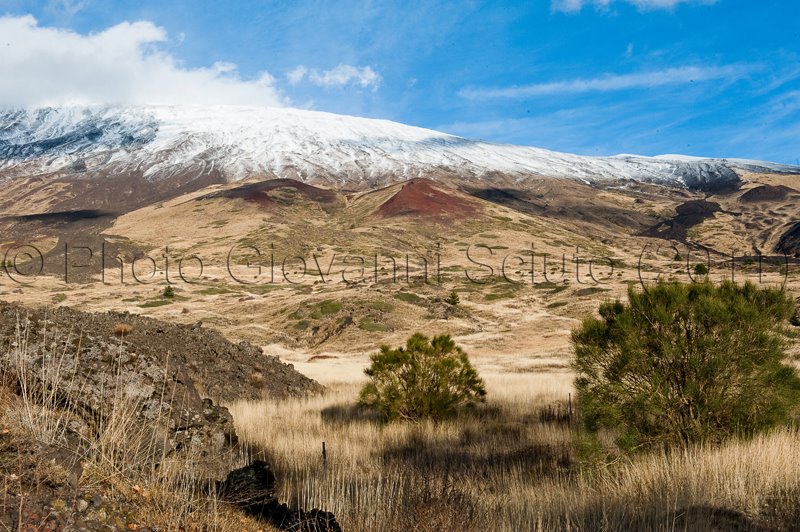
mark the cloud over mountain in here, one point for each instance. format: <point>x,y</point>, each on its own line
<point>124,64</point>
<point>339,76</point>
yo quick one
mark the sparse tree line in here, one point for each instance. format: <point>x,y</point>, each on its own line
<point>676,364</point>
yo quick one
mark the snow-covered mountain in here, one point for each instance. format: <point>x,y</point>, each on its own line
<point>233,143</point>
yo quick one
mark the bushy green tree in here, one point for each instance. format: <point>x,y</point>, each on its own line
<point>425,379</point>
<point>682,363</point>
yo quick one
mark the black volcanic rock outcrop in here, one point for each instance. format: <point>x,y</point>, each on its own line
<point>132,390</point>
<point>221,370</point>
<point>253,489</point>
<point>789,242</point>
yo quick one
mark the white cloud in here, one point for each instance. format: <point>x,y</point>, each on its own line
<point>120,65</point>
<point>297,74</point>
<point>344,75</point>
<point>574,6</point>
<point>613,82</point>
<point>339,76</point>
<point>70,8</point>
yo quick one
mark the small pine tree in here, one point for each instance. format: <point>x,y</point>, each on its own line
<point>426,379</point>
<point>684,363</point>
<point>700,269</point>
<point>168,292</point>
<point>453,298</point>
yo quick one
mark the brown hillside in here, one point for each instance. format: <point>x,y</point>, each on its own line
<point>766,193</point>
<point>263,193</point>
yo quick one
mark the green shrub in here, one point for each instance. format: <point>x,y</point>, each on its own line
<point>169,292</point>
<point>453,298</point>
<point>409,297</point>
<point>326,308</point>
<point>700,269</point>
<point>683,363</point>
<point>156,303</point>
<point>426,379</point>
<point>367,324</point>
<point>59,298</point>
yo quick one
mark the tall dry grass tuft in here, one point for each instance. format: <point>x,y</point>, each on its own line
<point>123,329</point>
<point>507,467</point>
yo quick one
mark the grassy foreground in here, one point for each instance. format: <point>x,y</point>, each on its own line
<point>519,462</point>
<point>515,464</point>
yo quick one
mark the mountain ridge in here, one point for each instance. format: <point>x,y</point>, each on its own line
<point>232,143</point>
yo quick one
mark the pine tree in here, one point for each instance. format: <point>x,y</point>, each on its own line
<point>683,363</point>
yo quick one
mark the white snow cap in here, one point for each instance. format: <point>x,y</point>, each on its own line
<point>245,141</point>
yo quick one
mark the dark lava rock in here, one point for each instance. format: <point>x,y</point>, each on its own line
<point>158,373</point>
<point>143,388</point>
<point>108,386</point>
<point>789,242</point>
<point>220,369</point>
<point>253,489</point>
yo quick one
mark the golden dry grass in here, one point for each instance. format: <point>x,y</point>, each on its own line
<point>123,329</point>
<point>503,468</point>
<point>515,463</point>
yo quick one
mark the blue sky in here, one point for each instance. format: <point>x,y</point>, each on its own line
<point>700,77</point>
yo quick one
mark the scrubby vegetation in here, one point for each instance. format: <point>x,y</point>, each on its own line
<point>425,379</point>
<point>700,269</point>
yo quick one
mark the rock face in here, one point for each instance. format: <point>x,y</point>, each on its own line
<point>157,373</point>
<point>137,398</point>
<point>109,386</point>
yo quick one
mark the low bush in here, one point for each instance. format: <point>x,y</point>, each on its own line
<point>425,379</point>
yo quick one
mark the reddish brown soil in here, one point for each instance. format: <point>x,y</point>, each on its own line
<point>420,198</point>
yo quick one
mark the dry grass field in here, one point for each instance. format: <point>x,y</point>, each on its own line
<point>516,463</point>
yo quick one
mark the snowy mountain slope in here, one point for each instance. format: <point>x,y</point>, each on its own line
<point>238,142</point>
